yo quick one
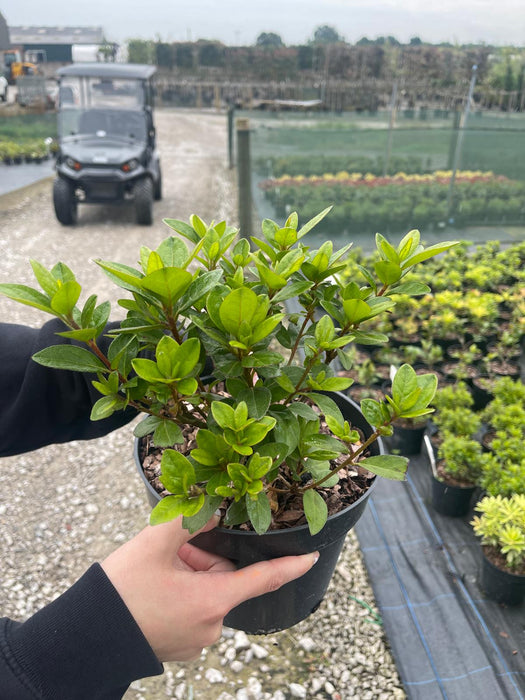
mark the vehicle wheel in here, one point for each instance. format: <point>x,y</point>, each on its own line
<point>158,188</point>
<point>64,202</point>
<point>143,193</point>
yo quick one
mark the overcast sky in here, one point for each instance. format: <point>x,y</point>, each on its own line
<point>497,22</point>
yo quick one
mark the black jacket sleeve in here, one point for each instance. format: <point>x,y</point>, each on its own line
<point>85,645</point>
<point>40,405</point>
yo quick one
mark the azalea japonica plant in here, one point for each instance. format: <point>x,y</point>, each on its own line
<point>273,317</point>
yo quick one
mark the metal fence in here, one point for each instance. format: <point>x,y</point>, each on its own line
<point>313,158</point>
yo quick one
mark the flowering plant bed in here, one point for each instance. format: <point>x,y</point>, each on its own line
<point>390,203</point>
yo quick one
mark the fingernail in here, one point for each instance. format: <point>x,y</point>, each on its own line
<point>218,512</point>
<point>316,557</point>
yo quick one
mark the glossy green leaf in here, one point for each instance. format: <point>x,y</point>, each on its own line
<point>389,466</point>
<point>69,357</point>
<point>315,510</point>
<point>259,512</point>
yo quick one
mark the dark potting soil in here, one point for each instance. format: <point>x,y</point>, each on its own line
<point>289,512</point>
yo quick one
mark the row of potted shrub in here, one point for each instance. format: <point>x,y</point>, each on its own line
<point>320,164</point>
<point>13,153</point>
<point>472,339</point>
<point>484,451</point>
<point>392,204</point>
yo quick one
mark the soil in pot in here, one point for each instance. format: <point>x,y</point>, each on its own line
<point>498,582</point>
<point>296,600</point>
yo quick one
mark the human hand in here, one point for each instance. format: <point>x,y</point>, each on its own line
<point>179,594</point>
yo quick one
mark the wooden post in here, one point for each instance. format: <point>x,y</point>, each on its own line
<point>244,177</point>
<point>231,112</point>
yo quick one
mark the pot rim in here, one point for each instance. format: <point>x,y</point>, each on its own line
<point>295,528</point>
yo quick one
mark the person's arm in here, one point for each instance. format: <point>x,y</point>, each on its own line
<point>39,405</point>
<point>156,598</point>
<point>84,645</point>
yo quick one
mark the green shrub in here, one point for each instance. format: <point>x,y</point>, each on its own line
<point>502,525</point>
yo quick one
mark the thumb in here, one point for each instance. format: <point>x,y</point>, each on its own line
<point>266,576</point>
<point>169,537</point>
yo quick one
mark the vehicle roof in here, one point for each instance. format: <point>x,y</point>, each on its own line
<point>131,71</point>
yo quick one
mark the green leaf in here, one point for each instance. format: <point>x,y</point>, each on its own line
<point>169,283</point>
<point>64,300</point>
<point>388,271</point>
<point>167,433</point>
<point>238,306</point>
<point>223,414</point>
<point>83,334</point>
<point>172,506</point>
<point>264,329</point>
<point>259,512</point>
<point>146,426</point>
<point>199,520</point>
<point>257,400</point>
<point>44,278</point>
<point>69,357</point>
<point>123,275</point>
<point>411,288</point>
<point>403,387</point>
<point>105,407</point>
<point>328,406</point>
<point>26,295</point>
<point>173,252</point>
<point>356,310</point>
<point>309,225</point>
<point>183,228</point>
<point>428,253</point>
<point>236,513</point>
<point>372,412</point>
<point>386,250</point>
<point>389,466</point>
<point>315,510</point>
<point>199,288</point>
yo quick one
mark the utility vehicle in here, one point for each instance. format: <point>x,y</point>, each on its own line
<point>106,138</point>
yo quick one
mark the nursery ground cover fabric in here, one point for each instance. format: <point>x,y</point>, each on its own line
<point>448,641</point>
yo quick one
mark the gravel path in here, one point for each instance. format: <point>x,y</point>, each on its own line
<point>64,506</point>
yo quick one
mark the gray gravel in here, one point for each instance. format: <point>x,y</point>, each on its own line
<point>63,507</point>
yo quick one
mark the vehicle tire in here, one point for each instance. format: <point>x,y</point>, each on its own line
<point>64,202</point>
<point>143,195</point>
<point>158,188</point>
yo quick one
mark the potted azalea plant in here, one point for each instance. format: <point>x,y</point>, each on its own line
<point>501,529</point>
<point>266,437</point>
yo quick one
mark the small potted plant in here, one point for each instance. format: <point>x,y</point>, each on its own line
<point>267,437</point>
<point>455,473</point>
<point>501,528</point>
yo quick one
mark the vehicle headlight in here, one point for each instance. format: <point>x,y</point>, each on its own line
<point>130,165</point>
<point>73,164</point>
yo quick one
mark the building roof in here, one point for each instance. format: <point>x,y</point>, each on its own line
<point>137,71</point>
<point>56,35</point>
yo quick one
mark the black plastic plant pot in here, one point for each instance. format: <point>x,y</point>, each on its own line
<point>408,440</point>
<point>296,600</point>
<point>501,586</point>
<point>451,500</point>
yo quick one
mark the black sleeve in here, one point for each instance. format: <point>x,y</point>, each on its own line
<point>40,405</point>
<point>84,645</point>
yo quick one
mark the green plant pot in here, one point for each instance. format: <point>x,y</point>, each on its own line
<point>501,586</point>
<point>296,600</point>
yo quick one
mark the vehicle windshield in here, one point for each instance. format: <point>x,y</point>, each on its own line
<point>101,106</point>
